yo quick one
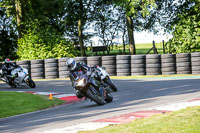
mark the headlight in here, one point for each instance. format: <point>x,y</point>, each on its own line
<point>81,82</point>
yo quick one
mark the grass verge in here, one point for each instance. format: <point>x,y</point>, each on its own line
<point>183,121</point>
<point>13,103</point>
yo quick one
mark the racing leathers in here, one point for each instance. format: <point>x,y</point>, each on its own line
<point>6,72</point>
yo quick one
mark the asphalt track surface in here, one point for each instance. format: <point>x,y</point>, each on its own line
<point>133,95</point>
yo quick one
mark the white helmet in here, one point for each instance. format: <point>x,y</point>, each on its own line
<point>71,64</point>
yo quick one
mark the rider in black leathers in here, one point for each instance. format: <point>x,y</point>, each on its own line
<point>7,67</point>
<point>73,67</point>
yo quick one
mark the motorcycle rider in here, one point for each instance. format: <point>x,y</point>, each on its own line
<point>7,67</point>
<point>73,67</point>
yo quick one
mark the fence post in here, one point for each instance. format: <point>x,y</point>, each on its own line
<point>163,46</point>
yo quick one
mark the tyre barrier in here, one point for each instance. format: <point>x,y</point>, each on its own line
<point>168,64</point>
<point>51,68</point>
<point>25,64</point>
<point>138,65</point>
<point>81,59</point>
<point>37,69</point>
<point>62,68</point>
<point>123,65</point>
<point>153,64</point>
<point>195,62</point>
<point>109,62</point>
<point>183,63</point>
<point>94,60</point>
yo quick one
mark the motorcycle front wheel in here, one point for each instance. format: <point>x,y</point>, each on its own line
<point>30,83</point>
<point>96,98</point>
<point>112,86</point>
<point>109,97</point>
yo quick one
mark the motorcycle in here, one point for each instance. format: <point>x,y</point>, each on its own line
<point>91,88</point>
<point>104,76</point>
<point>20,76</point>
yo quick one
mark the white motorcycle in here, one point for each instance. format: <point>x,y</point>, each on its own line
<point>20,76</point>
<point>105,77</point>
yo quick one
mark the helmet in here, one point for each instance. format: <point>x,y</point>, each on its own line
<point>71,64</point>
<point>7,61</point>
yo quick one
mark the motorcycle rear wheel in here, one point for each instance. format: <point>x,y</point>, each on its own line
<point>30,83</point>
<point>112,86</point>
<point>96,98</point>
<point>109,97</point>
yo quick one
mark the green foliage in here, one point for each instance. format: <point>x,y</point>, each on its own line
<point>37,45</point>
<point>186,36</point>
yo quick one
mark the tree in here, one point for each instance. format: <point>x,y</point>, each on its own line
<point>136,11</point>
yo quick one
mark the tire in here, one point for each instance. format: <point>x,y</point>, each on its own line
<point>166,56</point>
<point>196,54</point>
<point>137,61</point>
<point>195,63</point>
<point>108,62</point>
<point>23,62</point>
<point>137,73</point>
<point>37,66</point>
<point>168,73</point>
<point>112,86</point>
<point>153,56</point>
<point>168,69</point>
<point>94,58</point>
<point>137,57</point>
<point>183,55</point>
<point>156,70</point>
<point>40,77</point>
<point>183,69</point>
<point>180,60</point>
<point>183,64</point>
<point>51,61</point>
<point>108,58</point>
<point>93,63</point>
<point>51,69</point>
<point>38,74</point>
<point>30,83</point>
<point>62,64</point>
<point>37,70</point>
<point>123,74</point>
<point>123,70</point>
<point>47,65</point>
<point>51,77</point>
<point>51,73</point>
<point>110,66</point>
<point>123,57</point>
<point>196,68</point>
<point>168,60</point>
<point>138,65</point>
<point>97,99</point>
<point>127,66</point>
<point>165,65</point>
<point>184,72</point>
<point>63,59</point>
<point>37,62</point>
<point>152,61</point>
<point>195,59</point>
<point>123,61</point>
<point>137,70</point>
<point>109,97</point>
<point>153,65</point>
<point>195,72</point>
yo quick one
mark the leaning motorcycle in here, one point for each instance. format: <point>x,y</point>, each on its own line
<point>104,76</point>
<point>91,88</point>
<point>20,76</point>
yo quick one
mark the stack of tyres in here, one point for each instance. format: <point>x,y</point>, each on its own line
<point>81,59</point>
<point>51,68</point>
<point>138,65</point>
<point>37,69</point>
<point>93,61</point>
<point>62,68</point>
<point>109,62</point>
<point>168,64</point>
<point>183,63</point>
<point>195,61</point>
<point>25,64</point>
<point>153,64</point>
<point>123,65</point>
